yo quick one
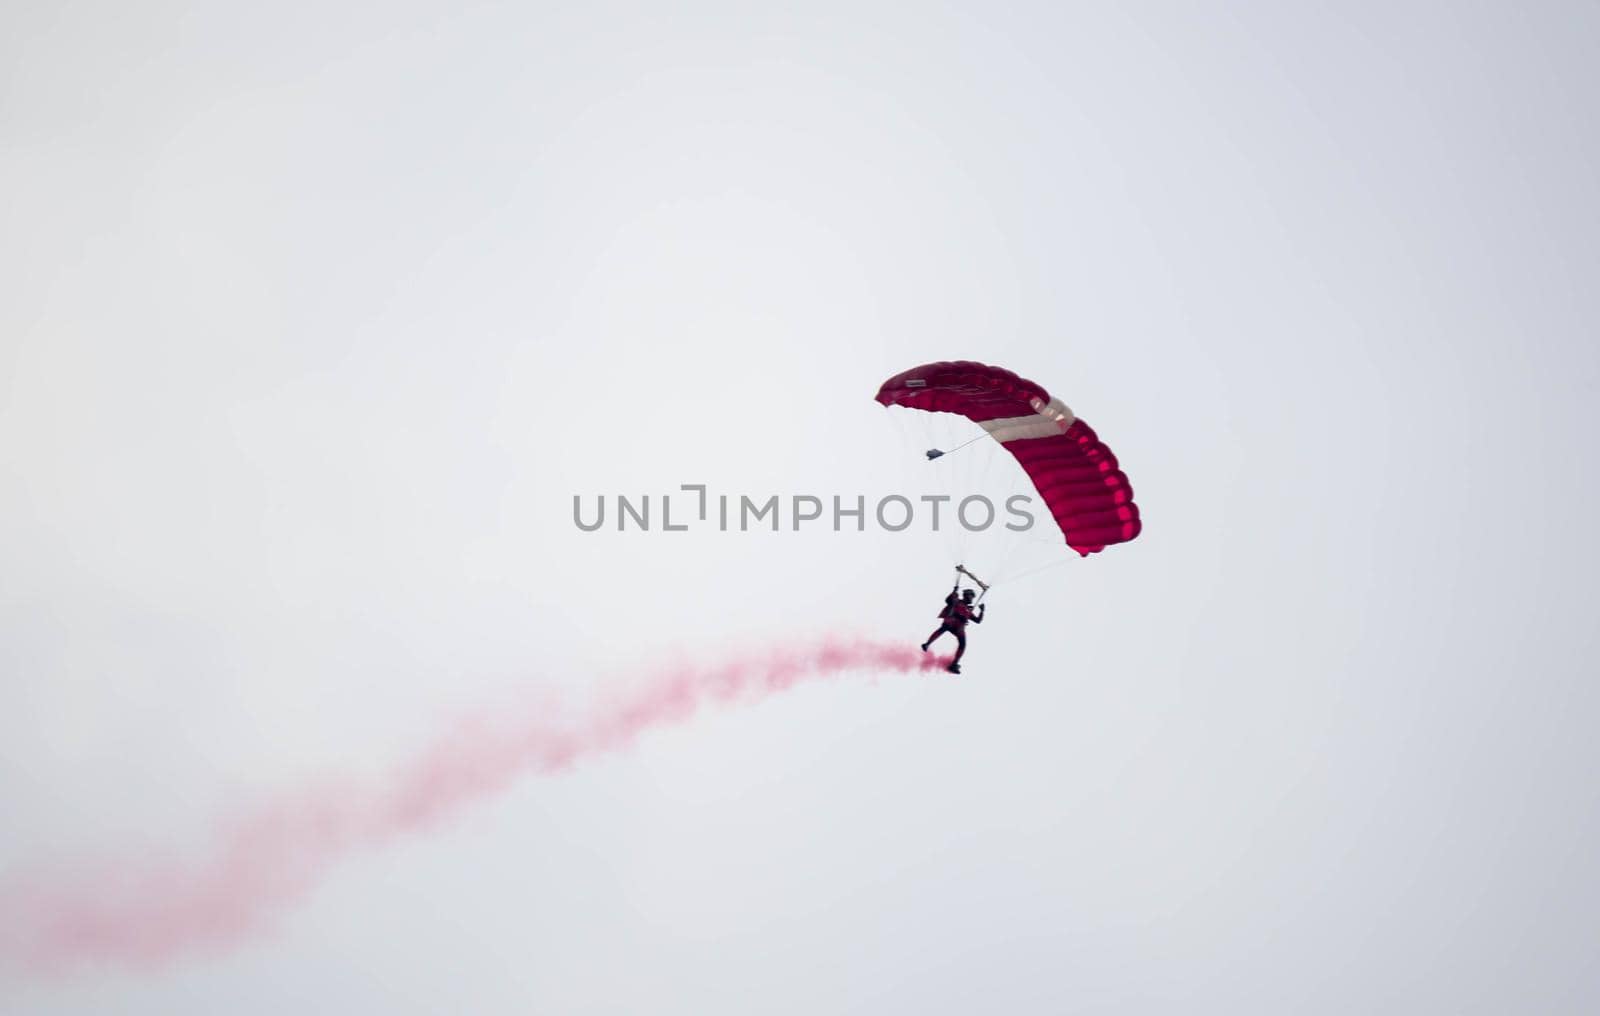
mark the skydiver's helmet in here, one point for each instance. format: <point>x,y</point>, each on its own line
<point>967,594</point>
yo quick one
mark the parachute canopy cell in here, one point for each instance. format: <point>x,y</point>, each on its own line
<point>1072,469</point>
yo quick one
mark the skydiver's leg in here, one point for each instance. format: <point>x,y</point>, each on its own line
<point>937,632</point>
<point>961,647</point>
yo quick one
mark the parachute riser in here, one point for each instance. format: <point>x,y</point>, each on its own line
<point>962,570</point>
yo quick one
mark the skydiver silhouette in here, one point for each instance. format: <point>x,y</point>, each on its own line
<point>958,610</point>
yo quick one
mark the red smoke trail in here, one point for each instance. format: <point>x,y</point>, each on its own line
<point>141,912</point>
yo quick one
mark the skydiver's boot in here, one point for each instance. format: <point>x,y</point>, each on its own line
<point>954,668</point>
<point>924,647</point>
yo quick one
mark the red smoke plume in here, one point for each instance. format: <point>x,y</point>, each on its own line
<point>140,912</point>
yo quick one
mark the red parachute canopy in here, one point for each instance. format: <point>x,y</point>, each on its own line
<point>1074,471</point>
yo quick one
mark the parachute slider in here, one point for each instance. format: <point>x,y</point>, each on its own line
<point>934,453</point>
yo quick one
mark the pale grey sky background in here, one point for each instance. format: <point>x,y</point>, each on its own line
<point>317,315</point>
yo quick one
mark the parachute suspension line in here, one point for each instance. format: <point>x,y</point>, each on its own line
<point>957,475</point>
<point>1018,554</point>
<point>1004,571</point>
<point>990,456</point>
<point>1034,571</point>
<point>979,467</point>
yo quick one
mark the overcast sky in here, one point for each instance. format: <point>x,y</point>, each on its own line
<point>317,316</point>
